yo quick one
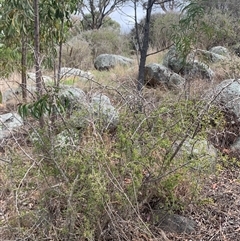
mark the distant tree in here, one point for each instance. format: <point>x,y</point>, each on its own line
<point>169,6</point>
<point>144,44</point>
<point>94,12</point>
<point>106,41</point>
<point>15,28</point>
<point>222,16</point>
<point>225,6</point>
<point>184,37</point>
<point>56,21</point>
<point>160,30</point>
<point>107,23</point>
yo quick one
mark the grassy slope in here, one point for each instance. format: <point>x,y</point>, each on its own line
<point>97,189</point>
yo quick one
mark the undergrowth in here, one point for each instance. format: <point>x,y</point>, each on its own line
<point>84,190</point>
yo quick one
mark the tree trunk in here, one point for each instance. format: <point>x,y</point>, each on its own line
<point>39,84</point>
<point>60,55</point>
<point>24,69</point>
<point>144,47</point>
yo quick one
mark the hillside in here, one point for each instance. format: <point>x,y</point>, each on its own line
<point>120,183</point>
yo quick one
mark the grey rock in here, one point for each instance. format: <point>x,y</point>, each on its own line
<point>236,145</point>
<point>31,78</point>
<point>190,67</point>
<point>217,57</point>
<point>62,142</point>
<point>104,113</point>
<point>82,112</point>
<point>203,155</point>
<point>75,96</point>
<point>15,94</point>
<point>207,56</point>
<point>108,61</point>
<point>9,122</point>
<point>227,95</point>
<point>99,111</point>
<point>236,49</point>
<point>101,99</point>
<point>175,223</point>
<point>75,101</point>
<point>173,60</point>
<point>198,69</point>
<point>176,80</point>
<point>66,139</point>
<point>220,50</point>
<point>11,94</point>
<point>156,74</point>
<point>67,72</point>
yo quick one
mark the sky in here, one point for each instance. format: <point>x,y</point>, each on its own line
<point>125,17</point>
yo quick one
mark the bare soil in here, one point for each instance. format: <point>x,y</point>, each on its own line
<point>219,218</point>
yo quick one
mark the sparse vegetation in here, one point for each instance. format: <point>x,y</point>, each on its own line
<point>63,181</point>
<point>73,191</point>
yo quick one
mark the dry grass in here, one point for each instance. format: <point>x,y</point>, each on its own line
<point>217,216</point>
<point>37,204</point>
<point>12,82</point>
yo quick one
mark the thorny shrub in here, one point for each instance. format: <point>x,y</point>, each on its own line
<point>80,193</point>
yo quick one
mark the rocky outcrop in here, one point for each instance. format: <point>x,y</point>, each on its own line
<point>15,93</point>
<point>190,67</point>
<point>200,151</point>
<point>173,60</point>
<point>8,123</point>
<point>97,110</point>
<point>69,72</point>
<point>31,78</point>
<point>108,61</point>
<point>73,96</point>
<point>105,113</point>
<point>197,69</point>
<point>220,50</point>
<point>227,95</point>
<point>214,55</point>
<point>207,56</point>
<point>157,74</point>
<point>174,223</point>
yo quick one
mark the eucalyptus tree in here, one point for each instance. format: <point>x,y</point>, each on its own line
<point>94,12</point>
<point>55,23</point>
<point>184,32</point>
<point>51,22</point>
<point>107,23</point>
<point>17,30</point>
<point>144,44</point>
<point>15,27</point>
<point>37,48</point>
